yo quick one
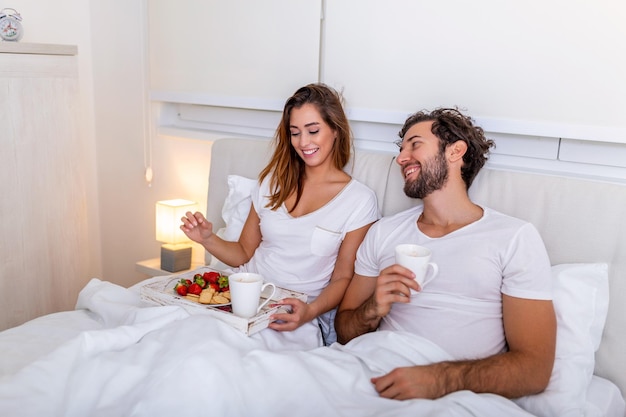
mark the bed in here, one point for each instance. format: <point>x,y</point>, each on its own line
<point>117,354</point>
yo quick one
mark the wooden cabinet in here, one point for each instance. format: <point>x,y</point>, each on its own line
<point>43,182</point>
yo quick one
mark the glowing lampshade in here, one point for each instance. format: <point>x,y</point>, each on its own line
<point>175,253</point>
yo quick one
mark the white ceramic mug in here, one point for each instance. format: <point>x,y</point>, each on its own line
<point>417,259</point>
<point>245,293</point>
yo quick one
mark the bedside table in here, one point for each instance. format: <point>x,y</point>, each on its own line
<point>152,267</point>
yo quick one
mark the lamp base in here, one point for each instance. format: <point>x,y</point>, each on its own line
<point>175,258</point>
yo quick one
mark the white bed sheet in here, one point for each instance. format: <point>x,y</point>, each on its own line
<point>22,345</point>
<point>63,364</point>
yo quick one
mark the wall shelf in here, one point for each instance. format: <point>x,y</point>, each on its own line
<point>37,48</point>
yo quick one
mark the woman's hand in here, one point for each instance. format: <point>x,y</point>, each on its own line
<point>300,314</point>
<point>196,227</point>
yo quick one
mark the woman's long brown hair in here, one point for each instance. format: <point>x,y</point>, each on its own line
<point>286,167</point>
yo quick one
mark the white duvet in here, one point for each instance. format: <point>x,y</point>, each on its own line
<point>161,361</point>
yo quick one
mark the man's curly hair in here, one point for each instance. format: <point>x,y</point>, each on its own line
<point>450,125</point>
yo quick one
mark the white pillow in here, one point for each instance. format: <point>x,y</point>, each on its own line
<point>581,299</point>
<point>234,211</point>
<point>236,206</point>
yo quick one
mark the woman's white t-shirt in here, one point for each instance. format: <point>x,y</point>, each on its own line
<point>299,253</point>
<point>461,308</point>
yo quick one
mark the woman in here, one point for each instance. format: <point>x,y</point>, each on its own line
<point>307,217</point>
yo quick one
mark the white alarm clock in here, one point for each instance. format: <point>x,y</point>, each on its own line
<point>10,25</point>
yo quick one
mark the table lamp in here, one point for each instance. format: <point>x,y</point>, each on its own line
<point>176,250</point>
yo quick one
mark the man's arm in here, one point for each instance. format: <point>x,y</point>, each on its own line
<point>368,299</point>
<point>356,314</point>
<point>530,329</point>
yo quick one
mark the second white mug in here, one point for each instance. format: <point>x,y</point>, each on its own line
<point>417,259</point>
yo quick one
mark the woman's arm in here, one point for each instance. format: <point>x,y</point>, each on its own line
<point>200,230</point>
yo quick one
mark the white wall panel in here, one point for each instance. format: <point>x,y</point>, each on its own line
<point>234,48</point>
<point>526,146</point>
<point>556,63</point>
<point>600,153</point>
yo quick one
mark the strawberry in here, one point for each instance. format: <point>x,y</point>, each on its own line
<point>181,289</point>
<point>214,286</point>
<point>195,289</point>
<point>222,281</point>
<point>185,282</point>
<point>211,276</point>
<point>200,281</point>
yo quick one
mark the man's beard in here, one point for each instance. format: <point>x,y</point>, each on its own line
<point>432,177</point>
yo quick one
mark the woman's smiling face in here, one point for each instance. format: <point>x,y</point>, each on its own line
<point>311,136</point>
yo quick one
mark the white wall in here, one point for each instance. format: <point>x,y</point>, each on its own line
<point>125,148</point>
<point>558,62</point>
<point>550,69</point>
<point>270,47</point>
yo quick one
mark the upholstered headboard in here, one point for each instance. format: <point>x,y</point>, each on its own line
<point>581,221</point>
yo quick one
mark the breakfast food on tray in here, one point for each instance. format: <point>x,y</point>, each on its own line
<point>206,296</point>
<point>208,288</point>
<point>210,296</point>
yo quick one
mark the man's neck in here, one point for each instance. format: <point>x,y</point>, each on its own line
<point>446,210</point>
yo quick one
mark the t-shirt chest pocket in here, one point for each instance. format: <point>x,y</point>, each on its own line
<point>325,242</point>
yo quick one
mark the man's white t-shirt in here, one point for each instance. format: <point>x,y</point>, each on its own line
<point>461,308</point>
<point>299,253</point>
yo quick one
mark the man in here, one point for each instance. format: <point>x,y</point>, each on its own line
<point>489,306</point>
